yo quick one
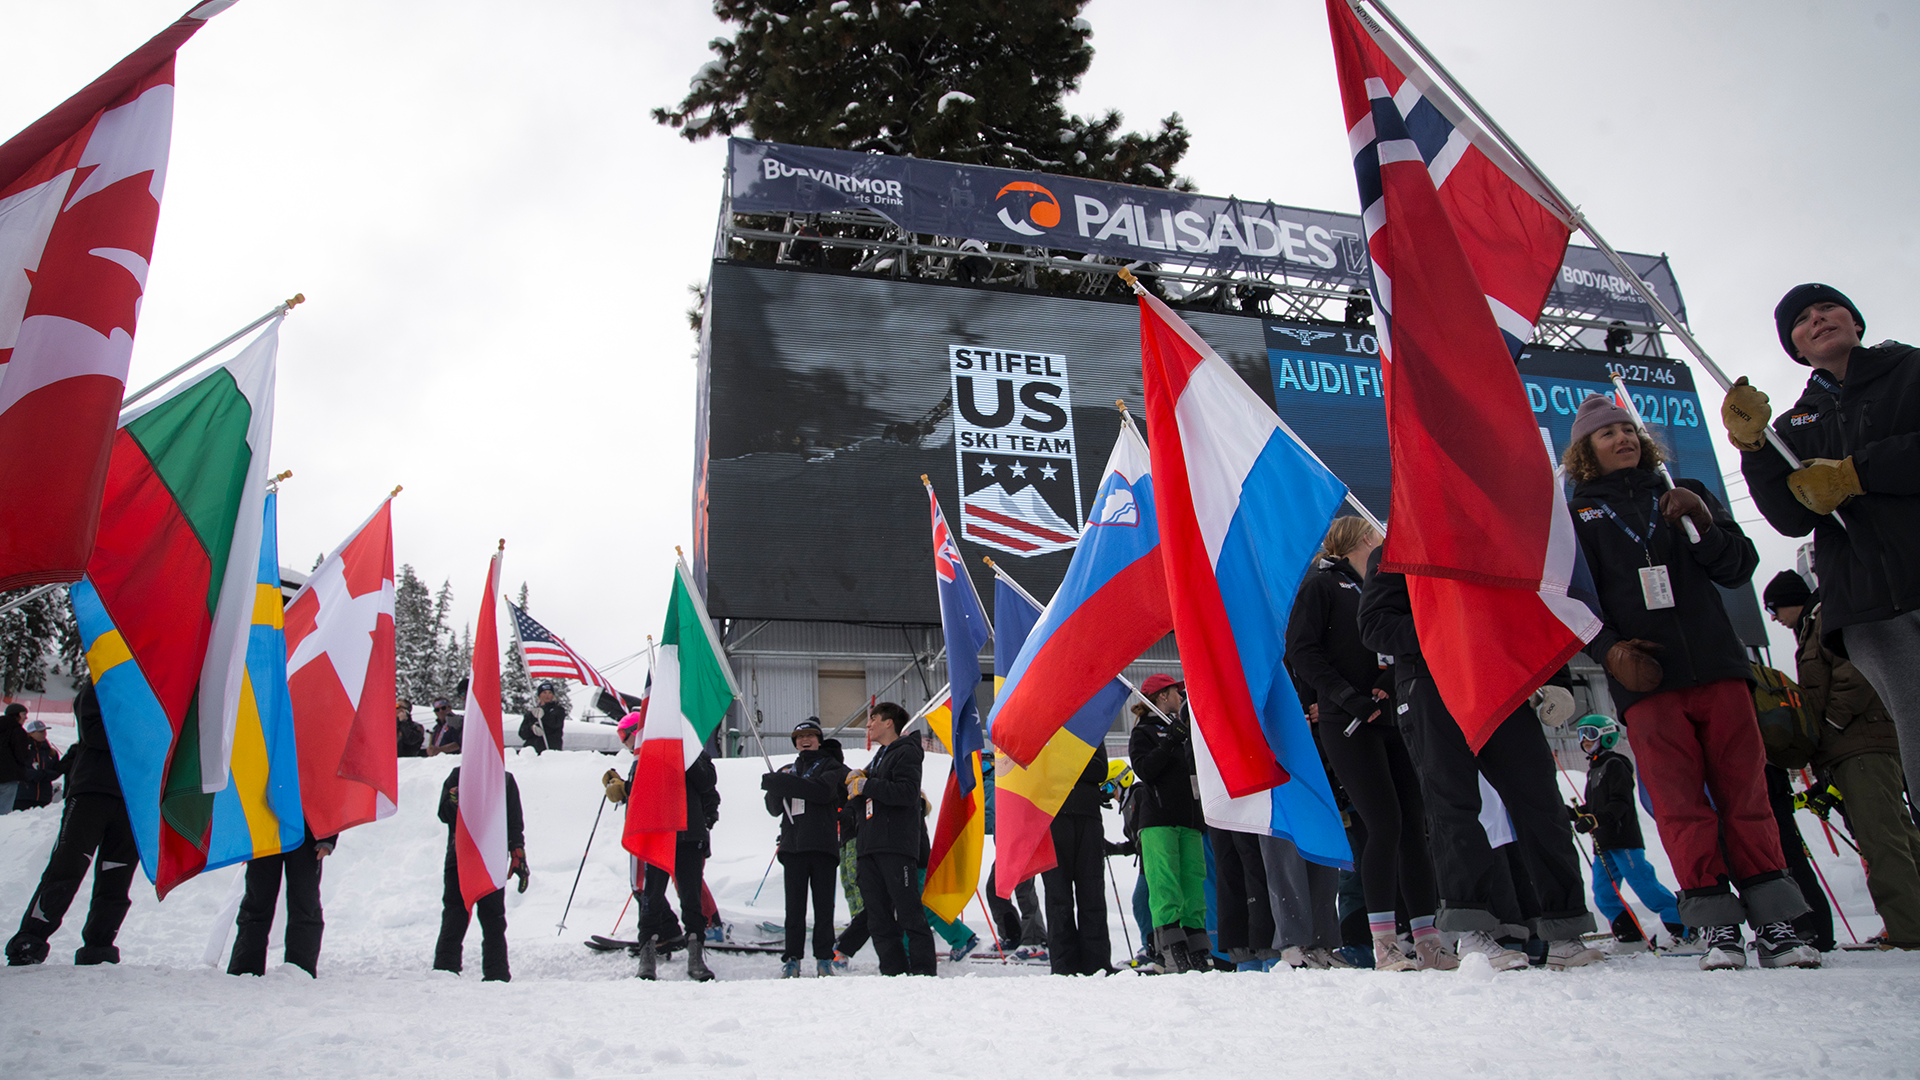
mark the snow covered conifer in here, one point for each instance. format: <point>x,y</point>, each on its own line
<point>28,634</point>
<point>415,647</point>
<point>516,685</point>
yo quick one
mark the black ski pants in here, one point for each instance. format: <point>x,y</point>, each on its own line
<point>890,891</point>
<point>1378,774</point>
<point>656,916</point>
<point>1016,926</point>
<point>89,823</point>
<point>491,909</point>
<point>1816,926</point>
<point>1078,942</point>
<point>1519,765</point>
<point>1240,891</point>
<point>301,868</point>
<point>814,872</point>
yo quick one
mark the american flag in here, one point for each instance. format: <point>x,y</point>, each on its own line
<point>548,657</point>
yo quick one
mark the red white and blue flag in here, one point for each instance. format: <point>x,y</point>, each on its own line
<point>953,869</point>
<point>548,657</point>
<point>1242,506</point>
<point>1464,244</point>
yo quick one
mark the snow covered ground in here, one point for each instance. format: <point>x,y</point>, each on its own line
<point>378,1011</point>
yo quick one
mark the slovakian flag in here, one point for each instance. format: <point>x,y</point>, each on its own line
<point>480,833</point>
<point>79,202</point>
<point>1243,505</point>
<point>259,812</point>
<point>960,832</point>
<point>1464,244</point>
<point>340,663</point>
<point>694,683</point>
<point>1028,798</point>
<point>167,605</point>
<point>1111,607</point>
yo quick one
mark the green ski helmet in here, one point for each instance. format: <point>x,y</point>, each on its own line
<point>1598,728</point>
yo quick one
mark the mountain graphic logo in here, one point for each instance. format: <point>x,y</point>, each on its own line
<point>1020,522</point>
<point>1035,206</point>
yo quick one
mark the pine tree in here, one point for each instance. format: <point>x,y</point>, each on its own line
<point>516,683</point>
<point>446,649</point>
<point>28,634</point>
<point>973,81</point>
<point>456,662</point>
<point>73,653</point>
<point>414,639</point>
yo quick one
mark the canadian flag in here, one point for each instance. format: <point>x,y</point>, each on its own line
<point>340,677</point>
<point>79,202</point>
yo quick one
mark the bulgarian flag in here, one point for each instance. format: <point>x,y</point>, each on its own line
<point>480,834</point>
<point>167,606</point>
<point>695,687</point>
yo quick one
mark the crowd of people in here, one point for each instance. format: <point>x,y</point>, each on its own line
<point>1458,851</point>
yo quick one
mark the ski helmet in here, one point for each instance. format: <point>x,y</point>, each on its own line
<point>1600,729</point>
<point>628,725</point>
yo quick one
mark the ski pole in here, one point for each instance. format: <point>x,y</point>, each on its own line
<point>764,877</point>
<point>992,931</point>
<point>1823,884</point>
<point>583,868</point>
<point>622,917</point>
<point>1118,906</point>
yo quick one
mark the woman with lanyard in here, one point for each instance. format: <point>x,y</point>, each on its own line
<point>1678,674</point>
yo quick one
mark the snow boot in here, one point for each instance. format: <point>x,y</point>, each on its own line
<point>1344,957</point>
<point>697,969</point>
<point>823,968</point>
<point>1681,935</point>
<point>1572,953</point>
<point>1779,945</point>
<point>1725,950</point>
<point>1501,957</point>
<point>789,969</point>
<point>25,949</point>
<point>96,954</point>
<point>1199,950</point>
<point>841,961</point>
<point>1171,943</point>
<point>1627,937</point>
<point>1386,953</point>
<point>964,949</point>
<point>649,959</point>
<point>1433,955</point>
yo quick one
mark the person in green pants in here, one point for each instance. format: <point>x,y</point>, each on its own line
<point>1171,856</point>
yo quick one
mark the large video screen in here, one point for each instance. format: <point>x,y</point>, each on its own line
<point>828,395</point>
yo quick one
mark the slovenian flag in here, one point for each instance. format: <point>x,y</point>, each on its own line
<point>480,831</point>
<point>1111,607</point>
<point>1243,505</point>
<point>167,605</point>
<point>690,690</point>
<point>960,833</point>
<point>1463,244</point>
<point>259,812</point>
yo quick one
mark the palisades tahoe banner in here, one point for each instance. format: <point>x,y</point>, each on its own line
<point>826,395</point>
<point>1174,228</point>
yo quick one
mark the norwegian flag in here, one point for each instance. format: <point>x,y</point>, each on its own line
<point>1464,244</point>
<point>79,202</point>
<point>340,678</point>
<point>548,657</point>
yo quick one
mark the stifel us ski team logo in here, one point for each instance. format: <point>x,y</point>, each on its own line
<point>1014,449</point>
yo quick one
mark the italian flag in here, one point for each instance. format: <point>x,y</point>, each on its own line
<point>693,688</point>
<point>167,604</point>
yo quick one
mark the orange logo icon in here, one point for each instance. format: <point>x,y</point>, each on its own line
<point>1038,207</point>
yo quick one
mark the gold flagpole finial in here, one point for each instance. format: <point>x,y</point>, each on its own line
<point>503,544</point>
<point>283,476</point>
<point>988,559</point>
<point>397,489</point>
<point>924,480</point>
<point>296,300</point>
<point>1132,282</point>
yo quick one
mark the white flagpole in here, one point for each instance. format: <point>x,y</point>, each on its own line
<point>279,309</point>
<point>1579,220</point>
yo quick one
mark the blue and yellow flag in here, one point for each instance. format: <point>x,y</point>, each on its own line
<point>258,812</point>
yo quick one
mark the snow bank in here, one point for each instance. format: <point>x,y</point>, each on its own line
<point>377,1010</point>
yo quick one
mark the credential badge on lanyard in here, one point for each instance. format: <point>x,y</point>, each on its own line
<point>1656,583</point>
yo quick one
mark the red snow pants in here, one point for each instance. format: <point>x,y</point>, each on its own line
<point>1700,741</point>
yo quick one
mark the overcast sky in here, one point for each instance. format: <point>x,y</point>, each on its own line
<point>496,242</point>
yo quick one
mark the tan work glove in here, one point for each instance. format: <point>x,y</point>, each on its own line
<point>1825,483</point>
<point>1746,412</point>
<point>1632,663</point>
<point>616,787</point>
<point>856,782</point>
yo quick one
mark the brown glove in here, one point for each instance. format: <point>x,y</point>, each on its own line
<point>1632,663</point>
<point>1824,484</point>
<point>1680,503</point>
<point>517,867</point>
<point>1746,412</point>
<point>616,788</point>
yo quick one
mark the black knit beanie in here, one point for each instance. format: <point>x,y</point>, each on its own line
<point>1787,589</point>
<point>1797,300</point>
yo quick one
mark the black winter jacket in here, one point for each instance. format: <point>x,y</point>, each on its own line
<point>1610,799</point>
<point>450,813</point>
<point>1324,649</point>
<point>409,739</point>
<point>703,804</point>
<point>1870,569</point>
<point>1084,798</point>
<point>43,768</point>
<point>1698,645</point>
<point>1162,758</point>
<point>1386,623</point>
<point>888,805</point>
<point>90,760</point>
<point>806,797</point>
<point>16,751</point>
